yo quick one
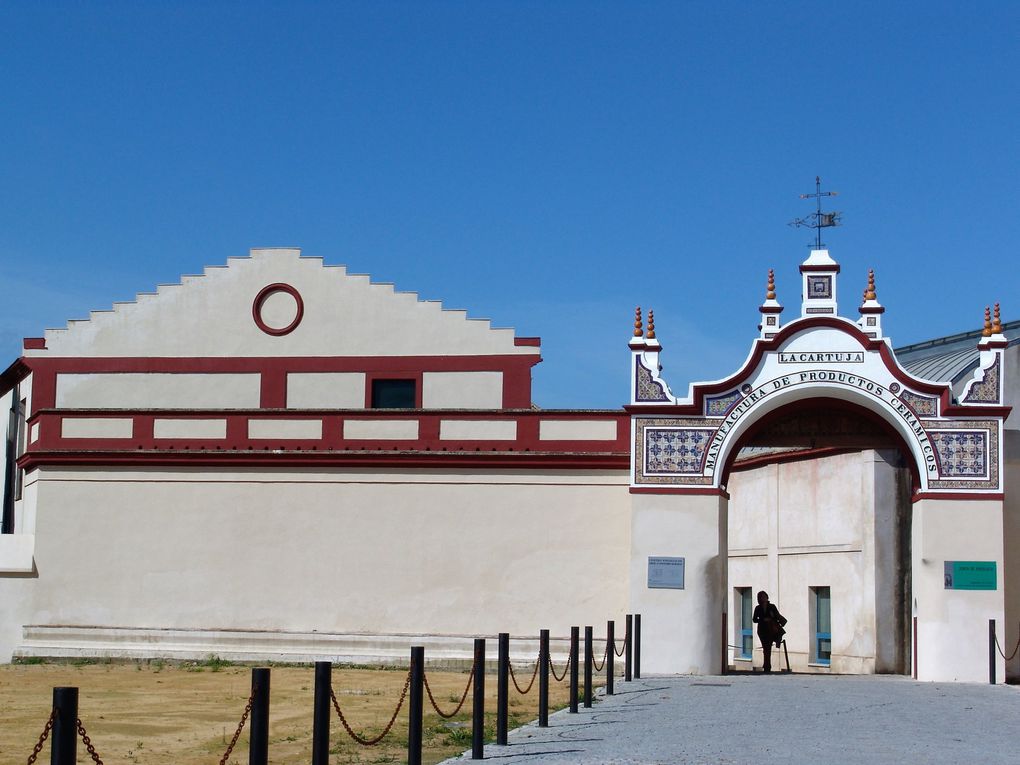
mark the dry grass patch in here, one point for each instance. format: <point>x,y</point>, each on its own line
<point>158,714</point>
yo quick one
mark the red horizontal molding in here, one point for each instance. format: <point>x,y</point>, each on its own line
<point>367,459</point>
<point>237,440</point>
<point>709,491</point>
<point>957,495</point>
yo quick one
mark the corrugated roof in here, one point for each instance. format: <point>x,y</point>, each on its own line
<point>948,359</point>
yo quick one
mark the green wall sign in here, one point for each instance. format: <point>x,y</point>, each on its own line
<point>970,575</point>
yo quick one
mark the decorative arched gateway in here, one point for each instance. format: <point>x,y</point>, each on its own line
<point>683,448</point>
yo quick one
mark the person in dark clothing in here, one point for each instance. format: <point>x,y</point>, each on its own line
<point>770,626</point>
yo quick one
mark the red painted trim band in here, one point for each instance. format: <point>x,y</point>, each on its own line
<point>706,491</point>
<point>367,459</point>
<point>957,495</point>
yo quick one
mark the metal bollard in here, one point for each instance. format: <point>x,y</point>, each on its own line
<point>628,642</point>
<point>478,709</point>
<point>64,736</point>
<point>543,679</point>
<point>502,688</point>
<point>610,654</point>
<point>258,738</point>
<point>574,633</point>
<point>415,705</point>
<point>588,658</point>
<point>321,713</point>
<point>991,651</point>
<point>637,646</point>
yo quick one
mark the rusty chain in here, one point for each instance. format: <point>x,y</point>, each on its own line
<point>240,727</point>
<point>1003,655</point>
<point>623,650</point>
<point>42,738</point>
<point>389,726</point>
<point>605,654</point>
<point>463,698</point>
<point>559,678</point>
<point>533,676</point>
<point>88,743</point>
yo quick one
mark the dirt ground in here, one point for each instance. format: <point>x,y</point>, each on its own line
<point>159,713</point>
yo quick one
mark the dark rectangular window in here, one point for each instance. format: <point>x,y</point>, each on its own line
<point>393,394</point>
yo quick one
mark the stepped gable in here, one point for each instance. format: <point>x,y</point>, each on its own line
<point>307,309</point>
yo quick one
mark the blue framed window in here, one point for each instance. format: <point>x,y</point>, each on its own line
<point>746,635</point>
<point>823,626</point>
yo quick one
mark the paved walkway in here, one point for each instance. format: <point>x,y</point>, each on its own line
<point>779,719</point>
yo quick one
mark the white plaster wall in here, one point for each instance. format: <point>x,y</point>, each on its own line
<point>477,430</point>
<point>1008,635</point>
<point>822,501</point>
<point>343,551</point>
<point>326,390</point>
<point>190,427</point>
<point>211,315</point>
<point>310,429</point>
<point>132,390</point>
<point>953,624</point>
<point>397,430</point>
<point>681,630</point>
<point>577,430</point>
<point>96,427</point>
<point>462,390</point>
<point>1011,387</point>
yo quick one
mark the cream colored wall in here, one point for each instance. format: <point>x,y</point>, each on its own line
<point>825,522</point>
<point>344,551</point>
<point>462,390</point>
<point>158,391</point>
<point>680,629</point>
<point>952,625</point>
<point>577,430</point>
<point>326,390</point>
<point>477,430</point>
<point>96,427</point>
<point>344,315</point>
<point>1008,632</point>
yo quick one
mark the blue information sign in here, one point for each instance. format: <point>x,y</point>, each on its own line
<point>666,573</point>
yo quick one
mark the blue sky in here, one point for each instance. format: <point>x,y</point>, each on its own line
<point>548,165</point>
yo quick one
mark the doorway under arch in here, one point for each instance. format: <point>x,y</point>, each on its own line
<point>819,516</point>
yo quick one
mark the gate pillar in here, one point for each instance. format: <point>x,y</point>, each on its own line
<point>681,629</point>
<point>955,544</point>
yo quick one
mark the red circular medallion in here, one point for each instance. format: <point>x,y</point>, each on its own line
<point>282,319</point>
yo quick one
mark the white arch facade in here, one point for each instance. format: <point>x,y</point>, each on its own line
<point>681,448</point>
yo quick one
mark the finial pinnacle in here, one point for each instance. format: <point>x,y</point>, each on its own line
<point>650,334</point>
<point>770,290</point>
<point>637,322</point>
<point>869,293</point>
<point>996,321</point>
<point>987,331</point>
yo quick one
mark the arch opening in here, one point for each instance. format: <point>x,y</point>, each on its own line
<point>819,516</point>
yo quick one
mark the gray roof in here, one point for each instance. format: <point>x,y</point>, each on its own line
<point>948,359</point>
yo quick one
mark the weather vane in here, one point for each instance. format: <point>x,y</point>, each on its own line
<point>818,219</point>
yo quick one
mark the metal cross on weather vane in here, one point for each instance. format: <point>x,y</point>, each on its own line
<point>818,219</point>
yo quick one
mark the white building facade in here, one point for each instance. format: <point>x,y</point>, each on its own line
<point>278,459</point>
